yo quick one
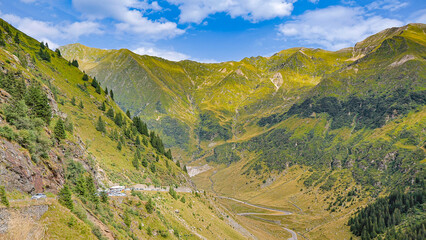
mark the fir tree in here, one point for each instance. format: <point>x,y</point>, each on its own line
<point>185,169</point>
<point>64,197</point>
<point>135,162</point>
<point>128,114</point>
<point>74,63</point>
<point>103,106</point>
<point>106,90</point>
<point>58,52</point>
<point>36,99</point>
<point>81,106</point>
<point>59,130</point>
<point>150,206</point>
<point>119,146</point>
<point>111,94</point>
<point>110,113</point>
<point>144,162</point>
<point>100,125</point>
<point>98,89</point>
<point>73,101</point>
<point>85,77</point>
<point>94,83</point>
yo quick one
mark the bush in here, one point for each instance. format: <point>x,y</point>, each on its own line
<point>3,197</point>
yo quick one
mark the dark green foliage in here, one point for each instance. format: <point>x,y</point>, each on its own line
<point>85,77</point>
<point>156,142</point>
<point>144,162</point>
<point>135,161</point>
<point>150,206</point>
<point>64,197</point>
<point>140,125</point>
<point>94,83</point>
<point>44,54</point>
<point>103,106</point>
<point>3,197</point>
<point>168,154</point>
<point>74,63</point>
<point>111,94</point>
<point>58,52</point>
<point>183,199</point>
<point>138,141</point>
<point>128,114</point>
<point>98,89</point>
<point>81,106</point>
<point>110,113</point>
<point>100,125</point>
<point>36,99</point>
<point>385,213</point>
<point>119,146</point>
<point>224,154</point>
<point>370,112</point>
<point>17,39</point>
<point>73,101</point>
<point>118,119</point>
<point>73,171</point>
<point>59,130</point>
<point>14,84</point>
<point>185,169</point>
<point>173,193</point>
<point>106,90</point>
<point>210,128</point>
<point>178,163</point>
<point>104,197</point>
<point>153,168</point>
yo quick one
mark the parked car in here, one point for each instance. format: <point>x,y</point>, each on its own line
<point>38,196</point>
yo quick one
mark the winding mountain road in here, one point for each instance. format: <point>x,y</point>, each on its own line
<point>278,213</point>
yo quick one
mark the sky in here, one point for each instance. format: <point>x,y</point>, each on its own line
<point>208,30</point>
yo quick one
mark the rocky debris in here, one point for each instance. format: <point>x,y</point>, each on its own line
<point>4,96</point>
<point>277,80</point>
<point>402,60</point>
<point>53,104</point>
<point>7,215</point>
<point>195,170</point>
<point>19,172</point>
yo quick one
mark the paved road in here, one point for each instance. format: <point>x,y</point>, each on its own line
<point>280,213</point>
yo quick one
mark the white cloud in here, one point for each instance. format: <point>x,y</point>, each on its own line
<point>47,31</point>
<point>335,27</point>
<point>390,5</point>
<point>195,11</point>
<point>418,17</point>
<point>167,54</point>
<point>130,16</point>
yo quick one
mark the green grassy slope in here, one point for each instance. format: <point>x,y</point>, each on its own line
<point>39,89</point>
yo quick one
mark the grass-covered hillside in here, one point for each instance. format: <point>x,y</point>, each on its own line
<point>192,103</point>
<point>62,134</point>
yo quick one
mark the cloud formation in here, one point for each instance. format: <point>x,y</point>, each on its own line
<point>195,11</point>
<point>49,32</point>
<point>335,27</point>
<point>129,15</point>
<point>167,54</point>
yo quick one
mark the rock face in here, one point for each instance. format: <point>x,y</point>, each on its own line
<point>21,223</point>
<point>18,172</point>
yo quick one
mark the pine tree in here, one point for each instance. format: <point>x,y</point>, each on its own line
<point>85,77</point>
<point>106,90</point>
<point>81,106</point>
<point>102,107</point>
<point>98,89</point>
<point>59,130</point>
<point>64,197</point>
<point>36,99</point>
<point>100,125</point>
<point>118,119</point>
<point>91,189</point>
<point>119,146</point>
<point>94,83</point>
<point>111,94</point>
<point>138,141</point>
<point>150,206</point>
<point>128,114</point>
<point>135,162</point>
<point>73,101</point>
<point>58,52</point>
<point>104,197</point>
<point>75,63</point>
<point>110,113</point>
<point>185,169</point>
<point>81,187</point>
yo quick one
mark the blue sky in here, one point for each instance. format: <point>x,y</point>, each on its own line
<point>208,30</point>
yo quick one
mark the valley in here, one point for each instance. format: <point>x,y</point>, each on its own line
<point>299,145</point>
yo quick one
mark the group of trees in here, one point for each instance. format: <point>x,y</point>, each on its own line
<point>385,213</point>
<point>44,52</point>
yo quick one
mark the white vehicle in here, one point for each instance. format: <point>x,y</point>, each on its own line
<point>38,196</point>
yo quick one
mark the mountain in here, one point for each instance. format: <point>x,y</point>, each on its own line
<point>62,134</point>
<point>321,133</point>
